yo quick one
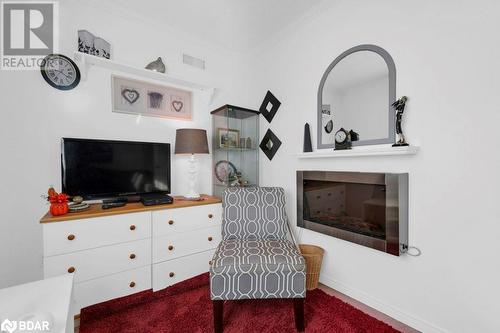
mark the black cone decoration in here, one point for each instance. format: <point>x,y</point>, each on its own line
<point>307,139</point>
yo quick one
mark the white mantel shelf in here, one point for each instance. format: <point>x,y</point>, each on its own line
<point>85,61</point>
<point>361,151</point>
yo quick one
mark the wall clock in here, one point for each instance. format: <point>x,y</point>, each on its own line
<point>60,72</point>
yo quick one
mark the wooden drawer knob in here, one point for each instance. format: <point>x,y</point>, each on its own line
<point>210,238</point>
<point>132,256</point>
<point>132,227</point>
<point>71,237</point>
<point>210,216</point>
<point>71,269</point>
<point>171,222</point>
<point>132,284</point>
<point>170,247</point>
<point>171,274</point>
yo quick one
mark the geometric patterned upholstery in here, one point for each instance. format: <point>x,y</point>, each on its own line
<point>254,213</point>
<point>250,269</point>
<point>254,259</point>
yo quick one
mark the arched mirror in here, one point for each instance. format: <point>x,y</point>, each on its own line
<point>356,92</point>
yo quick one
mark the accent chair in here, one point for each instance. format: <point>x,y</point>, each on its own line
<point>255,260</point>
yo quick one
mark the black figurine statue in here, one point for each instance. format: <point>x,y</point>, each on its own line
<point>399,106</point>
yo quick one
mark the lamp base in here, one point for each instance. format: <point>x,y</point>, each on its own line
<point>193,177</point>
<point>191,198</point>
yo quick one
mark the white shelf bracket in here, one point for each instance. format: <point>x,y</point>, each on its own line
<point>80,60</point>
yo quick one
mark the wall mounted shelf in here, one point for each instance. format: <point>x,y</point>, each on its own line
<point>85,61</point>
<point>361,151</point>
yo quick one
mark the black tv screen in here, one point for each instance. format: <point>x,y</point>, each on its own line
<point>97,169</point>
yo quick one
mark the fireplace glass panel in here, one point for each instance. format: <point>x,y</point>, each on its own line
<point>354,207</point>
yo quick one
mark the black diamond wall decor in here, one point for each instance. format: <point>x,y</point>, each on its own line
<point>270,144</point>
<point>269,106</point>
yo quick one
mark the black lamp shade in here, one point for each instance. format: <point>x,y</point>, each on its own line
<point>191,141</point>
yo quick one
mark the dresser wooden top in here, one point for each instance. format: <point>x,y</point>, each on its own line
<point>95,210</point>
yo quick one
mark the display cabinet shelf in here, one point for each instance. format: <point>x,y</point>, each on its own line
<point>236,149</point>
<point>225,185</point>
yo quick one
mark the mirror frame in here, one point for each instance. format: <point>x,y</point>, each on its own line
<point>392,96</point>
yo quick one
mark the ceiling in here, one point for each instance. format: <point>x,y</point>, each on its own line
<point>240,25</point>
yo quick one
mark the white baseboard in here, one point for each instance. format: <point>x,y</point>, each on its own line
<point>387,309</point>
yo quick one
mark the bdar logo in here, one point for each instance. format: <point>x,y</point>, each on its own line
<point>8,326</point>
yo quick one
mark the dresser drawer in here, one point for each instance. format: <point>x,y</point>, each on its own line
<point>64,237</point>
<point>177,270</point>
<point>185,219</point>
<point>112,286</point>
<point>181,244</point>
<point>101,261</point>
<point>327,200</point>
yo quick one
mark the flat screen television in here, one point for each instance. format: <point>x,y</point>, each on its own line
<point>96,169</point>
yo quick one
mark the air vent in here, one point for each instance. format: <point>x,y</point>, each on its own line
<point>193,61</point>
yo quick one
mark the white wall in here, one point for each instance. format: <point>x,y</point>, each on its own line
<point>35,116</point>
<point>447,59</point>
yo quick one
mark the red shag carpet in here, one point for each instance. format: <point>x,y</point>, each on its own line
<point>186,307</point>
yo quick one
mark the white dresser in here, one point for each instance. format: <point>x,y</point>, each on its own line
<point>117,252</point>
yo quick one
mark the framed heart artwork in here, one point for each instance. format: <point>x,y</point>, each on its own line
<point>150,99</point>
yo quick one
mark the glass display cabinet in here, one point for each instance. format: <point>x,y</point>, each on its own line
<point>235,147</point>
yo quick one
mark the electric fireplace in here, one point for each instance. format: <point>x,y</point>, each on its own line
<point>369,209</point>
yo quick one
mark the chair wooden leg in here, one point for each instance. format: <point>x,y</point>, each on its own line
<point>298,307</point>
<point>218,315</point>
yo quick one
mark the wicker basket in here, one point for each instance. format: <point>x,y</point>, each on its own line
<point>314,256</point>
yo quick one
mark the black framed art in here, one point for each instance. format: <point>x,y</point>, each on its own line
<point>269,106</point>
<point>270,144</point>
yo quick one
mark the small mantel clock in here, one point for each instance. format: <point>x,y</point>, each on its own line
<point>344,139</point>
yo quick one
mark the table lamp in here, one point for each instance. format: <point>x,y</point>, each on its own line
<point>191,141</point>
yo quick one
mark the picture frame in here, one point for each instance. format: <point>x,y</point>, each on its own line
<point>138,97</point>
<point>269,106</point>
<point>270,144</point>
<point>228,138</point>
